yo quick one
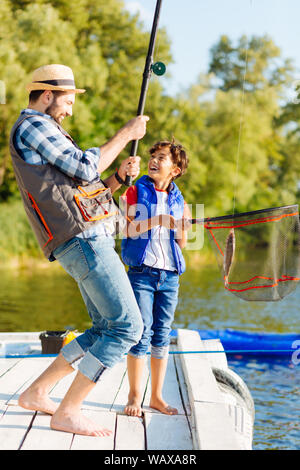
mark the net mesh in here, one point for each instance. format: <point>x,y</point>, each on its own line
<point>258,252</point>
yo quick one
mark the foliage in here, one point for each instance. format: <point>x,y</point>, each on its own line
<point>236,122</point>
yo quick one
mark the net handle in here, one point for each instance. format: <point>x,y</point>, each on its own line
<point>234,216</point>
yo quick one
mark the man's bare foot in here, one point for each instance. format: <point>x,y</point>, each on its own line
<point>76,423</point>
<point>36,401</point>
<point>133,407</point>
<point>160,405</point>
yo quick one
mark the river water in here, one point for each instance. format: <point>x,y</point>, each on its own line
<point>45,298</point>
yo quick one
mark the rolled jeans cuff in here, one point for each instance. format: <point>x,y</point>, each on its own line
<point>72,352</point>
<point>159,352</point>
<point>91,367</point>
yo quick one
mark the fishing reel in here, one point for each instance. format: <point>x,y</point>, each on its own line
<point>158,68</point>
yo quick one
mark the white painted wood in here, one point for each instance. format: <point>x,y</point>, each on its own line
<point>213,427</point>
<point>171,392</point>
<point>20,376</point>
<point>218,360</point>
<point>167,432</point>
<point>103,395</point>
<point>13,427</point>
<point>182,384</point>
<point>7,364</point>
<point>105,420</point>
<point>200,380</point>
<point>42,437</point>
<point>130,433</point>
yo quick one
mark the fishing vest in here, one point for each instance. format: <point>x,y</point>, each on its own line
<point>60,207</point>
<point>134,249</point>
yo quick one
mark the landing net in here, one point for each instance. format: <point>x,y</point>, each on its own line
<point>258,252</point>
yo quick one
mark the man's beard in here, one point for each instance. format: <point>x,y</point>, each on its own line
<point>51,110</point>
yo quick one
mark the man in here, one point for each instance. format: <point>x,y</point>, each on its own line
<point>73,216</point>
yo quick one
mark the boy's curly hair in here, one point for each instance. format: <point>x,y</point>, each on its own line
<point>177,151</point>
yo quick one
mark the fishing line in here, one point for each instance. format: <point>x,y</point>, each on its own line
<point>242,115</point>
<point>230,351</point>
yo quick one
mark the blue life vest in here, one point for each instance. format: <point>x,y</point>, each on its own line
<point>134,249</point>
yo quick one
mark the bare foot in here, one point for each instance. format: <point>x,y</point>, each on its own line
<point>162,406</point>
<point>36,401</point>
<point>133,407</point>
<point>78,424</point>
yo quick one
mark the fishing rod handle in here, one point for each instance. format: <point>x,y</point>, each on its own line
<point>134,145</point>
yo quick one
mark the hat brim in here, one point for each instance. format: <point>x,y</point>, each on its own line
<point>45,86</point>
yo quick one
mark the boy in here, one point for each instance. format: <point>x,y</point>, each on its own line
<point>156,232</point>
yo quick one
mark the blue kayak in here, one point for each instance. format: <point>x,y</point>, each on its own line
<point>253,343</point>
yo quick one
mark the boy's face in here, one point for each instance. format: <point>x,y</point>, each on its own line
<point>161,167</point>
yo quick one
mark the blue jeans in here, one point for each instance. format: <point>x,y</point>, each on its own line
<point>156,292</point>
<point>110,301</point>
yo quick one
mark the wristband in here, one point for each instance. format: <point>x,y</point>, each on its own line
<point>118,178</point>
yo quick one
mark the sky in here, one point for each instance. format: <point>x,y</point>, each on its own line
<point>194,26</point>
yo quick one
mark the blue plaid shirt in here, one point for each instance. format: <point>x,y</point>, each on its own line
<point>38,141</point>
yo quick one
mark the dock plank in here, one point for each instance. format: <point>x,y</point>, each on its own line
<point>13,427</point>
<point>105,420</point>
<point>19,377</point>
<point>102,397</point>
<point>200,380</point>
<point>42,437</point>
<point>130,433</point>
<point>214,428</point>
<point>167,432</point>
<point>6,364</point>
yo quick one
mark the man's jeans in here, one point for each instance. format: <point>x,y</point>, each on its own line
<point>110,301</point>
<point>156,292</point>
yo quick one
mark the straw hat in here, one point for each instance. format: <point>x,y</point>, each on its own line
<point>53,77</point>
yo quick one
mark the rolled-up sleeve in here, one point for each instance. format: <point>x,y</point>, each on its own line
<point>45,139</point>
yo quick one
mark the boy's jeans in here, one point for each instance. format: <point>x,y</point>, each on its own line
<point>110,301</point>
<point>156,292</point>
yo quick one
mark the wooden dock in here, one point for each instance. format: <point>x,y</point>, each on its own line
<point>208,418</point>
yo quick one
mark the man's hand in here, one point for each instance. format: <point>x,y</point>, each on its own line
<point>130,166</point>
<point>136,127</point>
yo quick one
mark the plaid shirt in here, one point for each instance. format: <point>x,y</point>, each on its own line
<point>38,142</point>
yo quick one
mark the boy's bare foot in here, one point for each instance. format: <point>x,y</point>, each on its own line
<point>76,423</point>
<point>133,407</point>
<point>160,405</point>
<point>34,400</point>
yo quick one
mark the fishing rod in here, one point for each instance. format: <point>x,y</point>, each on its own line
<point>158,68</point>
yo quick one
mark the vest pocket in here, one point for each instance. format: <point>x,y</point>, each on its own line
<point>95,205</point>
<point>40,217</point>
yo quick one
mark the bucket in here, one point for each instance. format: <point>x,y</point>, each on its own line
<point>53,341</point>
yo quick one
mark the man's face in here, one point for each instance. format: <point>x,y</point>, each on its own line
<point>61,106</point>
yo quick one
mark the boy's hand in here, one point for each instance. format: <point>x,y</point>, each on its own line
<point>183,224</point>
<point>167,221</point>
<point>130,166</point>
